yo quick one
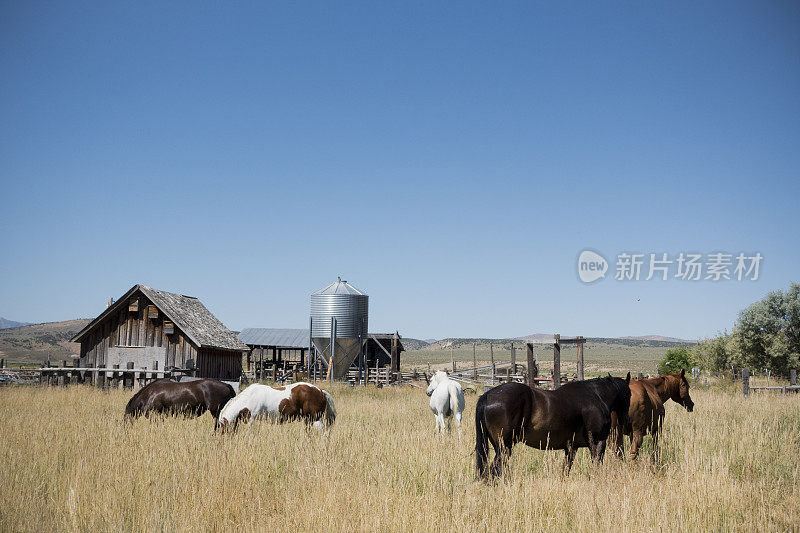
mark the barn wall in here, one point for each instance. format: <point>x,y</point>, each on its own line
<point>219,364</point>
<point>124,328</point>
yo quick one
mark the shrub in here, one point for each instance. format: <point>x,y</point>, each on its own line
<point>675,360</point>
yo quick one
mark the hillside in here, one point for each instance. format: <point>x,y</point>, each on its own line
<point>38,342</point>
<point>6,323</point>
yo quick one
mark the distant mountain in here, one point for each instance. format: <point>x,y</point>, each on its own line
<point>39,342</point>
<point>6,323</point>
<point>659,338</point>
<point>430,341</point>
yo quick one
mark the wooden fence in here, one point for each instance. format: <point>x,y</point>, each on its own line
<point>749,385</point>
<point>114,377</point>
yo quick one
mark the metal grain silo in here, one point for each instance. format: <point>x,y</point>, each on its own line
<point>339,313</point>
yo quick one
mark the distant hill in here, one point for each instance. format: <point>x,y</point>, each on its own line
<point>6,323</point>
<point>413,344</point>
<point>660,338</point>
<point>542,338</point>
<point>39,342</point>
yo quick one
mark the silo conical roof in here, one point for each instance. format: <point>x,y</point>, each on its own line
<point>339,286</point>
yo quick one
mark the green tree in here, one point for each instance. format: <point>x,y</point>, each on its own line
<point>768,332</point>
<point>712,354</point>
<point>675,360</point>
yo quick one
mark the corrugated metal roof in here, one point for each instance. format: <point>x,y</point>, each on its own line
<point>283,337</point>
<point>339,286</point>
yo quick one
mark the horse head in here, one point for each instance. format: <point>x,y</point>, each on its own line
<point>434,381</point>
<point>679,390</point>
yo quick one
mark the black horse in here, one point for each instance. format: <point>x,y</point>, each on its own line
<point>190,398</point>
<point>573,416</point>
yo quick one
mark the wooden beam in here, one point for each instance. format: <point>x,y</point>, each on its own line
<point>556,361</point>
<point>531,365</point>
<point>572,340</point>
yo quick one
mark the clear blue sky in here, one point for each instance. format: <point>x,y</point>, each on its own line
<point>451,160</point>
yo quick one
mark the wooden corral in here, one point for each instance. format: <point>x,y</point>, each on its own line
<point>280,354</point>
<point>157,331</point>
<point>273,352</point>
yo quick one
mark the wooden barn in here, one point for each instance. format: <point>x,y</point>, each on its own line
<point>160,330</point>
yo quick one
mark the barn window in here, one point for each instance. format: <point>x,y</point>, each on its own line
<point>169,327</point>
<point>152,311</point>
<point>133,305</point>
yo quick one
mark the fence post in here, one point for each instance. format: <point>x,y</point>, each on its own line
<point>513,359</point>
<point>474,364</point>
<point>531,373</point>
<point>746,381</point>
<point>793,377</point>
<point>556,361</point>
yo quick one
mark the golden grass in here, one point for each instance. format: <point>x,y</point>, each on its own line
<point>69,462</point>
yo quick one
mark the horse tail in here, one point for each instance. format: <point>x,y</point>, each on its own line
<point>481,438</point>
<point>456,397</point>
<point>330,408</point>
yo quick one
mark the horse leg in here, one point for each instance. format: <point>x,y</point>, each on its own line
<point>502,453</point>
<point>654,454</point>
<point>636,442</point>
<point>569,457</point>
<point>458,425</point>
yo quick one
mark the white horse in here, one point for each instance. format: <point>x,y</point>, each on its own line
<point>447,400</point>
<point>298,400</point>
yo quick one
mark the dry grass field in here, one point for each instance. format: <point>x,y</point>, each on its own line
<point>68,461</point>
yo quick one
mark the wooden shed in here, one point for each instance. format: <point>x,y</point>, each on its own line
<point>161,331</point>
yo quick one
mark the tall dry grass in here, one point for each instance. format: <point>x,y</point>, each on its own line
<point>68,461</point>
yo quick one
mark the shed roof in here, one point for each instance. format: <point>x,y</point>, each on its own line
<point>282,337</point>
<point>188,313</point>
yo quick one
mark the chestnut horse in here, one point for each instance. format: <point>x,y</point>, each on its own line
<point>646,413</point>
<point>298,400</point>
<point>191,398</point>
<point>673,387</point>
<point>575,415</point>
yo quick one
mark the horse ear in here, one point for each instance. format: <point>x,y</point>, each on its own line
<point>683,372</point>
<point>628,377</point>
<point>609,374</point>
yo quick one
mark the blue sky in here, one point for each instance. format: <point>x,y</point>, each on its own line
<point>450,160</point>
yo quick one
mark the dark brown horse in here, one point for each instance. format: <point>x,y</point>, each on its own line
<point>570,417</point>
<point>190,398</point>
<point>646,413</point>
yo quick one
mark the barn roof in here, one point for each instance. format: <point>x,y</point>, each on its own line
<point>282,337</point>
<point>187,312</point>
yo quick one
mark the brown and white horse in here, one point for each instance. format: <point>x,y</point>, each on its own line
<point>296,401</point>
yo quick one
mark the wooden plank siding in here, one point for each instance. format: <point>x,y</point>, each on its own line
<point>124,328</point>
<point>221,364</point>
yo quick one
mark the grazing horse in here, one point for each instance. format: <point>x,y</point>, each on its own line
<point>298,400</point>
<point>575,415</point>
<point>645,415</point>
<point>447,400</point>
<point>192,398</point>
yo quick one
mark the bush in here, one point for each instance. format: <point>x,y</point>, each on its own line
<point>675,360</point>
